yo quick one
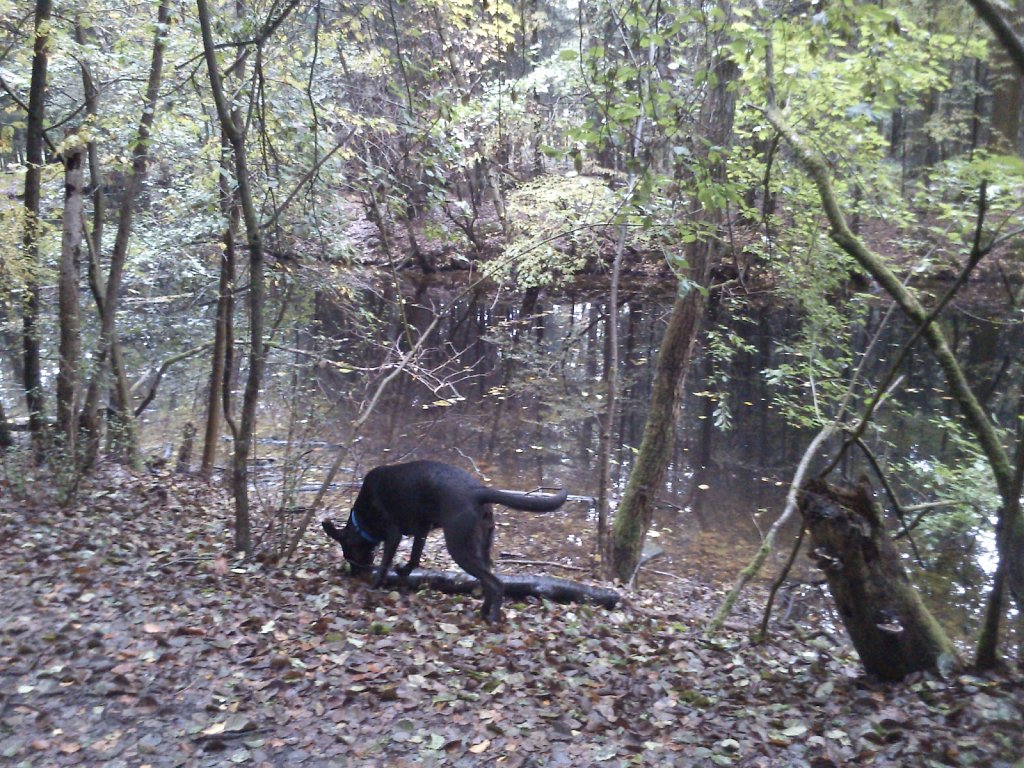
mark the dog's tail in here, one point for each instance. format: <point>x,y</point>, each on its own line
<point>525,501</point>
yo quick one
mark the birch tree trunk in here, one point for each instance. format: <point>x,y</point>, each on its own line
<point>67,299</point>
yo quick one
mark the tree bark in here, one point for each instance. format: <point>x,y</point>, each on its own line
<point>68,385</point>
<point>6,439</point>
<point>889,625</point>
<point>133,182</point>
<point>636,509</point>
<point>92,96</point>
<point>188,438</point>
<point>34,137</point>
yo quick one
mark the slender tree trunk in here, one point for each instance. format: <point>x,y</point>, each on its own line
<point>235,131</point>
<point>612,364</point>
<point>220,367</point>
<point>67,298</point>
<point>91,91</point>
<point>637,506</point>
<point>607,420</point>
<point>6,439</point>
<point>33,191</point>
<point>92,97</point>
<point>133,182</point>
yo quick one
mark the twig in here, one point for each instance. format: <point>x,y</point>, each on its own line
<point>160,374</point>
<point>360,421</point>
<point>644,559</point>
<point>763,632</point>
<point>225,735</point>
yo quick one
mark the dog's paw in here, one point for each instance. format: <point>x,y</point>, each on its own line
<point>491,616</point>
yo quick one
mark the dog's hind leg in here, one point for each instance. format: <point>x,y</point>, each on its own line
<point>486,528</point>
<point>469,547</point>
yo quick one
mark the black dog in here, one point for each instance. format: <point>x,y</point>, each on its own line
<point>415,498</point>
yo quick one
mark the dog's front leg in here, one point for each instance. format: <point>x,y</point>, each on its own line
<point>387,557</point>
<point>414,558</point>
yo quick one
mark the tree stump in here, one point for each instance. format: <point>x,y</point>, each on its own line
<point>890,627</point>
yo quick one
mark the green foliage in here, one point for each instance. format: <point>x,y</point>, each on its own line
<point>964,485</point>
<point>953,193</point>
<point>841,73</point>
<point>723,344</point>
<point>558,225</point>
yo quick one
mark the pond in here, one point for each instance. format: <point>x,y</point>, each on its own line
<point>511,388</point>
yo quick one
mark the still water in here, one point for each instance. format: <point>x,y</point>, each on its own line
<point>512,389</point>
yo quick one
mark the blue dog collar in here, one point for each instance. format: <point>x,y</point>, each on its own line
<point>375,540</point>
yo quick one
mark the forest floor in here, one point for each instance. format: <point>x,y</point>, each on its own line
<point>130,636</point>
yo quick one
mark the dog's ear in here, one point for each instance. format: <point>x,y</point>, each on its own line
<point>330,530</point>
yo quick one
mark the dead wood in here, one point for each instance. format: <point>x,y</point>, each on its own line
<point>516,586</point>
<point>889,625</point>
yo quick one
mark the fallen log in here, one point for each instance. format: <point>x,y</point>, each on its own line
<point>516,586</point>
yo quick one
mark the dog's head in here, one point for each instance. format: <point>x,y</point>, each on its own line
<point>358,547</point>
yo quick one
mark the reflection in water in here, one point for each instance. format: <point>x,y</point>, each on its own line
<point>515,393</point>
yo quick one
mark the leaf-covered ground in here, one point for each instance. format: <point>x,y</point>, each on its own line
<point>130,637</point>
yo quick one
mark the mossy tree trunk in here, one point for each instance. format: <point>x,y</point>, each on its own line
<point>889,625</point>
<point>636,509</point>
